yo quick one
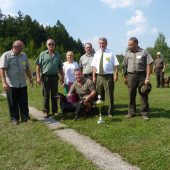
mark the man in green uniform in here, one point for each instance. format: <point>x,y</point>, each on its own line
<point>50,64</point>
<point>138,62</point>
<point>85,89</point>
<point>159,69</point>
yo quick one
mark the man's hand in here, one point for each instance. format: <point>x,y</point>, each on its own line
<point>163,71</point>
<point>39,80</point>
<point>86,99</point>
<point>6,86</point>
<point>115,78</point>
<point>31,83</point>
<point>63,85</point>
<point>62,80</point>
<point>146,81</point>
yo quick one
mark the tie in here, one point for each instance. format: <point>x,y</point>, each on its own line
<point>101,64</point>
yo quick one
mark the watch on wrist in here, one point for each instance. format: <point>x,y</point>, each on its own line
<point>31,79</point>
<point>147,78</point>
<point>117,73</point>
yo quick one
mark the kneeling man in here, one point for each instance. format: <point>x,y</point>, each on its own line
<point>85,89</point>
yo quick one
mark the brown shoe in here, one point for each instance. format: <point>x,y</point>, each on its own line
<point>56,114</point>
<point>29,121</point>
<point>129,116</point>
<point>45,115</point>
<point>146,118</point>
<point>15,122</point>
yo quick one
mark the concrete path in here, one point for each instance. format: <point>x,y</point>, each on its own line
<point>99,155</point>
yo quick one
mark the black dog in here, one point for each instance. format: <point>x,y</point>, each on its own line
<point>69,107</point>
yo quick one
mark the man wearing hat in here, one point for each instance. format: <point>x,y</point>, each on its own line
<point>138,62</point>
<point>159,69</point>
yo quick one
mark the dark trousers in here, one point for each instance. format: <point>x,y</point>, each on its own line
<point>105,85</point>
<point>18,100</point>
<point>49,84</point>
<point>160,79</point>
<point>134,81</point>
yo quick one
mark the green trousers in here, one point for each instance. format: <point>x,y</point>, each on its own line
<point>105,85</point>
<point>160,79</point>
<point>134,81</point>
<point>49,84</point>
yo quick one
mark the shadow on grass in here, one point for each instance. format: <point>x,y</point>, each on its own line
<point>2,99</point>
<point>159,112</point>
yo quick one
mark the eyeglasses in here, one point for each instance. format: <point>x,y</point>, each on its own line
<point>51,44</point>
<point>19,48</point>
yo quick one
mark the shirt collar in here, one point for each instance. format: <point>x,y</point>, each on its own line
<point>48,52</point>
<point>139,50</point>
<point>89,55</point>
<point>103,51</point>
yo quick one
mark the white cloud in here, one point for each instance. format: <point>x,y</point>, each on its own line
<point>44,25</point>
<point>126,3</point>
<point>138,19</point>
<point>154,31</point>
<point>141,25</point>
<point>93,41</point>
<point>137,31</point>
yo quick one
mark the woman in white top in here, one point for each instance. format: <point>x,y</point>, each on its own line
<point>69,79</point>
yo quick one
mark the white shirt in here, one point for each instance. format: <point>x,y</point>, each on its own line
<point>109,60</point>
<point>69,72</point>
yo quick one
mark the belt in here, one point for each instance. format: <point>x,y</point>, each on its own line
<point>104,74</point>
<point>137,72</point>
<point>50,75</point>
<point>88,74</point>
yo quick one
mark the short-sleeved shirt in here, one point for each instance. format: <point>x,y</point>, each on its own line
<point>85,63</point>
<point>109,60</point>
<point>137,61</point>
<point>68,70</point>
<point>85,90</point>
<point>49,65</point>
<point>15,68</point>
<point>159,64</point>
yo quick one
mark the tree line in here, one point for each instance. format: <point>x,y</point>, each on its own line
<point>34,36</point>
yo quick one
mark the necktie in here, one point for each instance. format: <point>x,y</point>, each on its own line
<point>101,64</point>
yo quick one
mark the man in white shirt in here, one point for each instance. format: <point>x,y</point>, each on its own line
<point>103,63</point>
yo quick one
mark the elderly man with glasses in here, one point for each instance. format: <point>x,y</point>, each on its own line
<point>14,64</point>
<point>50,64</point>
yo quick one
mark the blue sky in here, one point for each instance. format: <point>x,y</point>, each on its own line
<point>89,20</point>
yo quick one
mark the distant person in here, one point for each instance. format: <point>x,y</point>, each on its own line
<point>159,69</point>
<point>138,62</point>
<point>50,64</point>
<point>14,64</point>
<point>103,63</point>
<point>85,89</point>
<point>124,70</point>
<point>69,78</point>
<point>86,60</point>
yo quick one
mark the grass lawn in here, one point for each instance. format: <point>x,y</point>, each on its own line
<point>141,143</point>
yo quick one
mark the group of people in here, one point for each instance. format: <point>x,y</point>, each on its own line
<point>95,74</point>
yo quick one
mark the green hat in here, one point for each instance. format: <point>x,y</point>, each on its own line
<point>145,89</point>
<point>158,53</point>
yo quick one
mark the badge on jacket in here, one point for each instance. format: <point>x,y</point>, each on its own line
<point>23,63</point>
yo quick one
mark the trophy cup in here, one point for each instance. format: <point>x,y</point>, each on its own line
<point>99,104</point>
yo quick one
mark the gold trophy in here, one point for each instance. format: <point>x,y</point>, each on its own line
<point>99,104</point>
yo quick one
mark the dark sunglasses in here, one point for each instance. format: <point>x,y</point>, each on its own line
<point>51,44</point>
